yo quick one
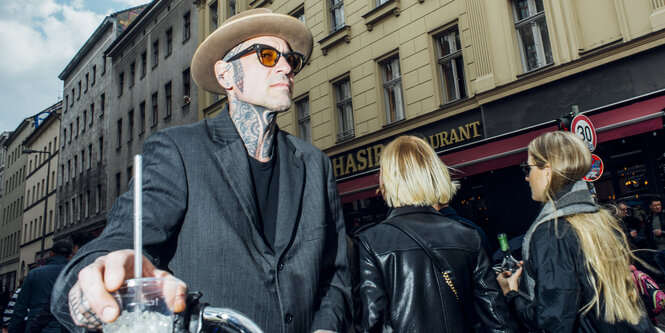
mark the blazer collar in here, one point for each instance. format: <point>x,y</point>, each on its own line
<point>222,128</point>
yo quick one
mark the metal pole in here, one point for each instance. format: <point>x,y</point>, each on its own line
<point>48,173</point>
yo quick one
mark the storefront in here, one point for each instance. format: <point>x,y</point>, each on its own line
<point>494,193</point>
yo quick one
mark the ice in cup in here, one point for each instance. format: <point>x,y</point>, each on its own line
<point>146,306</point>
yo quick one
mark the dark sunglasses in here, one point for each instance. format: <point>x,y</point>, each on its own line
<point>269,56</point>
<point>526,168</point>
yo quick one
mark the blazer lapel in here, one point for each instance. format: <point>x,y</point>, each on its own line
<point>291,186</point>
<point>233,160</point>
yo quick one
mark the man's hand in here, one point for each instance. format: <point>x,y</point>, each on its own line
<point>633,233</point>
<point>657,232</point>
<point>90,299</point>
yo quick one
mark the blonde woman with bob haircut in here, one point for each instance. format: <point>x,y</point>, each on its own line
<point>397,287</point>
<point>575,276</point>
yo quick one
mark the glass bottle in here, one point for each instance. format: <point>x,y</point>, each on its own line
<point>509,262</point>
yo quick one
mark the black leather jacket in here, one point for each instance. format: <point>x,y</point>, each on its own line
<point>396,284</point>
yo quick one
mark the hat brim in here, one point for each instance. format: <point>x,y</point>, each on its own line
<point>234,32</point>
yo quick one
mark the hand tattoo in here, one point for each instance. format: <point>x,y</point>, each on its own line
<point>256,126</point>
<point>80,310</point>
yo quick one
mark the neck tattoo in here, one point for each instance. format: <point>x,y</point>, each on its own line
<point>256,126</point>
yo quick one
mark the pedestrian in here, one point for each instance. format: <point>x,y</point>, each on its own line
<point>575,275</point>
<point>655,222</point>
<point>398,286</point>
<point>36,291</point>
<point>9,310</point>
<point>235,207</point>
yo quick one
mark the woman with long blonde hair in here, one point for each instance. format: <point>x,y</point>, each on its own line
<point>576,275</point>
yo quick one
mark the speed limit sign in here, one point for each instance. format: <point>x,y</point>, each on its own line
<point>582,126</point>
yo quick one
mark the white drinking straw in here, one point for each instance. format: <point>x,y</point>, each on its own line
<point>138,220</point>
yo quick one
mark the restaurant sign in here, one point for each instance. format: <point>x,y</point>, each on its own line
<point>442,135</point>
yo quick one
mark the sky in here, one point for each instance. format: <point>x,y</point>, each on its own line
<point>38,38</point>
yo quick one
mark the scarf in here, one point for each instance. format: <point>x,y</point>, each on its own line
<point>572,199</point>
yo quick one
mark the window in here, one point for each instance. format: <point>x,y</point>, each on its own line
<point>304,127</point>
<point>66,101</point>
<point>300,14</point>
<point>344,109</point>
<point>155,53</point>
<point>117,184</point>
<point>392,90</point>
<point>451,66</point>
<point>98,198</point>
<point>82,160</point>
<point>79,94</point>
<point>130,125</point>
<point>76,163</point>
<point>103,65</point>
<point>73,211</point>
<point>100,149</point>
<point>87,204</point>
<point>141,118</point>
<point>336,14</point>
<point>121,82</point>
<point>64,134</point>
<point>232,8</point>
<point>214,16</point>
<point>532,34</point>
<point>144,63</point>
<point>119,132</point>
<point>89,156</point>
<point>71,132</point>
<point>155,109</point>
<point>78,127</point>
<point>132,73</point>
<point>186,87</point>
<point>87,76</point>
<point>80,210</point>
<point>169,42</point>
<point>72,98</point>
<point>94,75</point>
<point>167,99</point>
<point>102,104</point>
<point>186,27</point>
<point>69,169</point>
<point>85,120</point>
<point>92,114</point>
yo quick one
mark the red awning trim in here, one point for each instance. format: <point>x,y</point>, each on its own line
<point>631,119</point>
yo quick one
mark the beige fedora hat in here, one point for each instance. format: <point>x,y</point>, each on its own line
<point>239,28</point>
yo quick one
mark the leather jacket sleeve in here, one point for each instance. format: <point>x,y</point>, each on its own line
<point>370,298</point>
<point>557,294</point>
<point>489,303</point>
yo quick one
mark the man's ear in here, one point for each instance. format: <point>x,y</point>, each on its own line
<point>223,74</point>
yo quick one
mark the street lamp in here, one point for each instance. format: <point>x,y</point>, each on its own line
<point>48,173</point>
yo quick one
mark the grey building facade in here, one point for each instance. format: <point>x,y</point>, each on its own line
<point>152,87</point>
<point>88,103</point>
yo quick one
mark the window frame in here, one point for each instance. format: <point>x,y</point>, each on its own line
<point>456,59</point>
<point>543,48</point>
<point>341,103</point>
<point>395,84</point>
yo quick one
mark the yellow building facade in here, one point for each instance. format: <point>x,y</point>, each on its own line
<point>467,75</point>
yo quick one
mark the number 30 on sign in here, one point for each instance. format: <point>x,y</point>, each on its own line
<point>582,126</point>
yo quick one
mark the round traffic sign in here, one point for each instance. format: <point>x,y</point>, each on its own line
<point>582,126</point>
<point>596,170</point>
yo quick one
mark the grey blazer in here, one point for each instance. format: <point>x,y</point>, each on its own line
<point>199,218</point>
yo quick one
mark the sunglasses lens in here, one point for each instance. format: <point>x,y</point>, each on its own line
<point>295,61</point>
<point>268,56</point>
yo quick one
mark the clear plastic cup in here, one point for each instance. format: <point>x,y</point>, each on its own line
<point>146,306</point>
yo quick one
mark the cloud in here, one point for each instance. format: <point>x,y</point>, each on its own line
<point>132,3</point>
<point>39,38</point>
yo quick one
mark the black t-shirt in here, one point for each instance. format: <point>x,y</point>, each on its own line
<point>266,188</point>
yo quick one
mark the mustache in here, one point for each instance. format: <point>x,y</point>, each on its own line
<point>280,78</point>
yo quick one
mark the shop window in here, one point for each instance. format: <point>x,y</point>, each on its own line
<point>392,90</point>
<point>532,34</point>
<point>451,66</point>
<point>344,109</point>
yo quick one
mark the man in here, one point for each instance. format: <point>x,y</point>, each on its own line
<point>236,208</point>
<point>656,223</point>
<point>36,290</point>
<point>630,225</point>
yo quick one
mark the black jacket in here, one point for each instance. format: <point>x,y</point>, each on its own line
<point>34,295</point>
<point>562,287</point>
<point>397,284</point>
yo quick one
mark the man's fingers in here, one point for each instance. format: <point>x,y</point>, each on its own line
<point>174,291</point>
